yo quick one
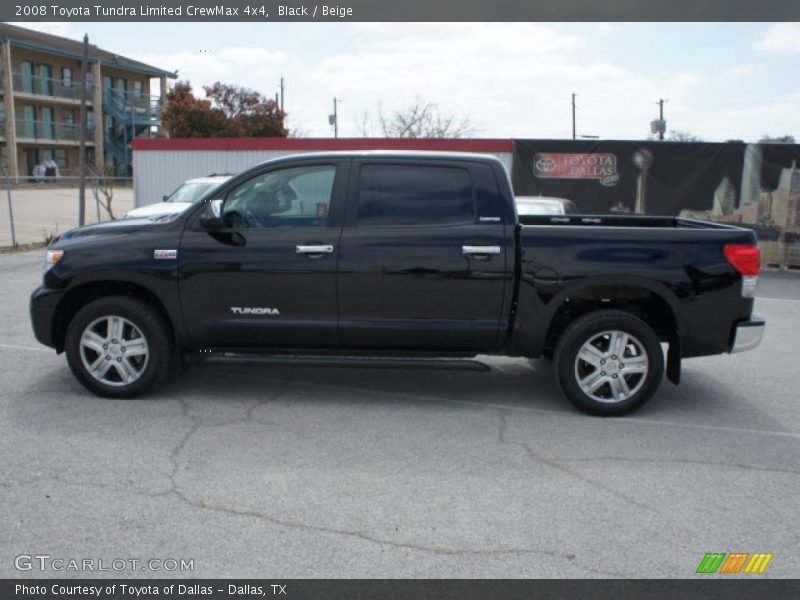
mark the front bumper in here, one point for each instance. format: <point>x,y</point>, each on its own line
<point>747,335</point>
<point>43,306</point>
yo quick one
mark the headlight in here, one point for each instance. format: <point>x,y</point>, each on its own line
<point>51,258</point>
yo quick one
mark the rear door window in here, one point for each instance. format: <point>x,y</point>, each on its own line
<point>415,195</point>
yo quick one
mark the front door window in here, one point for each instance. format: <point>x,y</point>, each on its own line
<point>295,197</point>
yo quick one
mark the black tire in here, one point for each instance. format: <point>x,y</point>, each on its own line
<point>148,324</point>
<point>597,329</point>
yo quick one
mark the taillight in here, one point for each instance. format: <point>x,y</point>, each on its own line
<point>747,260</point>
<point>744,258</point>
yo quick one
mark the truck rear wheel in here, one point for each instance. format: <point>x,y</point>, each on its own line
<point>608,362</point>
<point>118,347</point>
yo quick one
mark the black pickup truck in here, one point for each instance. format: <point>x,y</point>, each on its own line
<point>398,254</point>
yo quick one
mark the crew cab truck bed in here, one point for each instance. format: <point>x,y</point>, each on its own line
<point>397,253</point>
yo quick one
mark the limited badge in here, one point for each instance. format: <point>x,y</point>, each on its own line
<point>165,254</point>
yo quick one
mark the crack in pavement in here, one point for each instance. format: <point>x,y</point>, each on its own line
<point>502,438</point>
<point>197,424</point>
<point>250,513</point>
<point>361,535</point>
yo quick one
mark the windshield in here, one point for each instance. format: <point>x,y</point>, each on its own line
<point>190,192</point>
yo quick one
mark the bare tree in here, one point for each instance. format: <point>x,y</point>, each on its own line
<point>103,191</point>
<point>777,139</point>
<point>364,124</point>
<point>417,120</point>
<point>676,135</point>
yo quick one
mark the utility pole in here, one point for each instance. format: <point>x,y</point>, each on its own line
<point>334,118</point>
<point>573,116</point>
<point>282,91</point>
<point>82,132</point>
<point>10,208</point>
<point>661,118</point>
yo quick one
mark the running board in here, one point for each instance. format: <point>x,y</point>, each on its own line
<point>310,360</point>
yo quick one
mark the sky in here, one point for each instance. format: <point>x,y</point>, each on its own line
<point>721,80</point>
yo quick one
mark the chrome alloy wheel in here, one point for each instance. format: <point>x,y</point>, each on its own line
<point>114,351</point>
<point>611,366</point>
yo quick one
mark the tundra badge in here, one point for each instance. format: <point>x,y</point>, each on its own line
<point>247,310</point>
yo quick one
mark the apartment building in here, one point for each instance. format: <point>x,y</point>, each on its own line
<point>41,97</point>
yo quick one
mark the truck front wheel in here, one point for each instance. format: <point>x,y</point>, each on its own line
<point>118,346</point>
<point>608,362</point>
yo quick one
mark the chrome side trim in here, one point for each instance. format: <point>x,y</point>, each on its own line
<point>748,335</point>
<point>326,249</point>
<point>480,250</point>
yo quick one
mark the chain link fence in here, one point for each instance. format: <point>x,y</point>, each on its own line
<point>40,208</point>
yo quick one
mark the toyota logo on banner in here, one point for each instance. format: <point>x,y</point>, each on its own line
<point>562,165</point>
<point>544,164</point>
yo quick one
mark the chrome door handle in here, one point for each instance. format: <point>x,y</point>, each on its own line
<point>469,250</point>
<point>324,249</point>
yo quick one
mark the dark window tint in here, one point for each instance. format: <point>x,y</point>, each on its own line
<point>410,195</point>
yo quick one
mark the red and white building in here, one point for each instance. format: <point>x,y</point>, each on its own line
<point>162,164</point>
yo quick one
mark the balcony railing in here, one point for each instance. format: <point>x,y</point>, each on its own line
<point>48,86</point>
<point>58,131</point>
<point>132,103</point>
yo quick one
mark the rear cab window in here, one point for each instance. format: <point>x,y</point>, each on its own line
<point>413,194</point>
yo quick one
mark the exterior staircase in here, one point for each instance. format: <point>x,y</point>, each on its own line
<point>132,116</point>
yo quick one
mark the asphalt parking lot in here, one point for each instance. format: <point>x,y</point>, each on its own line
<point>312,471</point>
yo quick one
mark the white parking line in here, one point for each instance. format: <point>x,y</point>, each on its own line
<point>31,348</point>
<point>777,299</point>
<point>634,420</point>
<point>631,420</point>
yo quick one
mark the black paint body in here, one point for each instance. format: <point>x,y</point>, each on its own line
<point>402,289</point>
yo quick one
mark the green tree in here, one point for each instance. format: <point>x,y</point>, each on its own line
<point>185,115</point>
<point>227,111</point>
<point>248,113</point>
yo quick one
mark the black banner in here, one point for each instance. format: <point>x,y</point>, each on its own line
<point>601,177</point>
<point>716,588</point>
<point>409,10</point>
<point>751,185</point>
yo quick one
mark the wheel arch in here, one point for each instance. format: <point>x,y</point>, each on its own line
<point>651,301</point>
<point>80,295</point>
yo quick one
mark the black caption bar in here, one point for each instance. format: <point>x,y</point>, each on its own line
<point>372,589</point>
<point>406,10</point>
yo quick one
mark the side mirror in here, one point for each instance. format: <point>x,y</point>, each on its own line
<point>165,197</point>
<point>214,220</point>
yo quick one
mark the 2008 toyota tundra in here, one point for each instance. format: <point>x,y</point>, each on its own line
<point>397,253</point>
